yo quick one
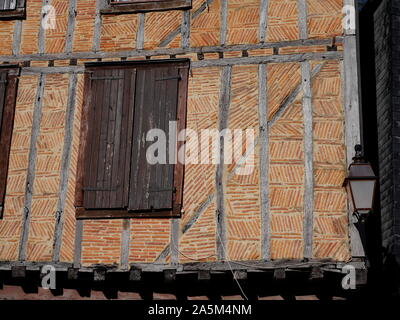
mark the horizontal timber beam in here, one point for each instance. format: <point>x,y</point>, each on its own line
<point>168,51</point>
<point>269,59</point>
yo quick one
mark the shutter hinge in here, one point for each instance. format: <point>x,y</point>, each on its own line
<point>170,78</point>
<point>3,81</point>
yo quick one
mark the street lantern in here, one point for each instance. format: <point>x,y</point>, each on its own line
<point>361,183</point>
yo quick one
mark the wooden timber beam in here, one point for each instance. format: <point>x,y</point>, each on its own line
<point>169,51</point>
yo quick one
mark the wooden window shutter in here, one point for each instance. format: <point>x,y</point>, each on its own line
<point>122,103</point>
<point>109,139</point>
<point>8,92</point>
<point>152,185</point>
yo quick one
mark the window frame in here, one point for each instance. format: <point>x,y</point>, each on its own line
<point>16,14</point>
<point>7,126</point>
<point>112,7</point>
<point>179,168</point>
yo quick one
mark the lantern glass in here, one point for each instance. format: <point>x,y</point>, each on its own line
<point>363,194</point>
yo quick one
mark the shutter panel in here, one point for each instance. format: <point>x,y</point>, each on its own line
<point>8,4</point>
<point>156,104</point>
<point>3,85</point>
<point>109,144</point>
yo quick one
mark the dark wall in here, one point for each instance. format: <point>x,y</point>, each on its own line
<point>380,88</point>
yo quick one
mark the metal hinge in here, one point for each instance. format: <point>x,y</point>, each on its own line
<point>3,81</point>
<point>170,78</point>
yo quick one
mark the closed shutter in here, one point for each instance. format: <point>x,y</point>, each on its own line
<point>8,4</point>
<point>3,84</point>
<point>109,139</point>
<point>152,185</point>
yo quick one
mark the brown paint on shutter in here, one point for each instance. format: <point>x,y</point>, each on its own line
<point>8,93</point>
<point>179,169</point>
<point>109,138</point>
<point>152,186</point>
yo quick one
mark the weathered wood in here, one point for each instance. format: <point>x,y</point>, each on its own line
<point>17,37</point>
<point>223,115</point>
<point>353,129</point>
<point>140,31</point>
<point>125,242</point>
<point>65,167</point>
<point>223,21</point>
<point>135,274</point>
<point>174,257</point>
<point>169,51</point>
<point>106,153</point>
<point>280,274</point>
<point>19,13</point>
<point>187,226</point>
<point>42,31</point>
<point>185,29</point>
<point>71,26</point>
<point>302,18</point>
<point>99,274</point>
<point>169,275</point>
<point>30,175</point>
<point>240,274</point>
<point>18,271</point>
<point>316,273</point>
<point>179,168</point>
<point>97,26</point>
<point>308,160</point>
<point>298,57</point>
<point>204,275</point>
<point>78,243</point>
<point>73,273</point>
<point>263,20</point>
<point>82,142</point>
<point>264,161</point>
<point>171,36</point>
<point>202,268</point>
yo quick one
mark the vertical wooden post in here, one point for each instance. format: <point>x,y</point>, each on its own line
<point>69,120</point>
<point>30,175</point>
<point>263,20</point>
<point>264,161</point>
<point>140,31</point>
<point>302,18</point>
<point>351,100</point>
<point>308,160</point>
